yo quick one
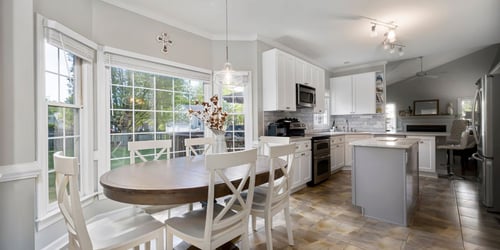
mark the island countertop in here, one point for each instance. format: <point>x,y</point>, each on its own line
<point>386,142</point>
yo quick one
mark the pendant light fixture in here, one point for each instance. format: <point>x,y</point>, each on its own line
<point>228,70</point>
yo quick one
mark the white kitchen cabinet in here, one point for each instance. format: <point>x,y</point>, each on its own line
<point>318,80</point>
<point>302,171</point>
<point>278,77</point>
<point>337,150</point>
<point>303,72</point>
<point>426,154</point>
<point>348,148</point>
<point>353,94</point>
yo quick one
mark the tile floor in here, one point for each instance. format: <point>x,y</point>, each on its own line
<point>449,216</point>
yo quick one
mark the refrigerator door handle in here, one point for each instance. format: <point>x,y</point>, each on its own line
<point>477,98</point>
<point>477,157</point>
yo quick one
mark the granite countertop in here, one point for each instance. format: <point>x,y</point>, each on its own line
<point>386,142</point>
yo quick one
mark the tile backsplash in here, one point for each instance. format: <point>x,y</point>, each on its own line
<point>304,115</point>
<point>359,123</point>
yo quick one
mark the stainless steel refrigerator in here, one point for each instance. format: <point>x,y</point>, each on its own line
<point>486,123</point>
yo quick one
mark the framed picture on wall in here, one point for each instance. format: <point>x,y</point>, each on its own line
<point>426,107</point>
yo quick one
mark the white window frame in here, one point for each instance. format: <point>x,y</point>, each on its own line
<point>113,57</point>
<point>48,213</point>
<point>247,108</point>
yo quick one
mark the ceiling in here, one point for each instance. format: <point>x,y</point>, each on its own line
<point>336,33</point>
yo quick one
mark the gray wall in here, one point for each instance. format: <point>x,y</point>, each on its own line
<point>456,79</point>
<point>17,92</point>
<point>123,29</point>
<point>17,122</point>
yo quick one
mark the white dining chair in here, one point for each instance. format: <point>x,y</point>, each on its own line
<point>275,197</point>
<point>214,225</point>
<point>135,151</point>
<point>267,141</point>
<point>111,232</point>
<point>192,143</point>
<point>135,147</point>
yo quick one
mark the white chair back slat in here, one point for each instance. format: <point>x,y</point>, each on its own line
<point>219,166</point>
<point>191,143</point>
<point>267,141</point>
<point>135,147</point>
<point>68,200</point>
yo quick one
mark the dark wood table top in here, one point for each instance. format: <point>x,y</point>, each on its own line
<point>174,181</point>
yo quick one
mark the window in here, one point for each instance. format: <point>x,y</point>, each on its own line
<point>465,108</point>
<point>236,102</point>
<point>63,100</point>
<point>146,106</point>
<point>321,120</point>
<point>390,117</point>
<point>64,123</point>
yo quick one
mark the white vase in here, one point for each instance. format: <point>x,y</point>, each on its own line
<point>450,108</point>
<point>220,141</point>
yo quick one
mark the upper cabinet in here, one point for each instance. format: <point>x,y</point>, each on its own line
<point>356,94</point>
<point>281,72</point>
<point>318,82</point>
<point>278,77</point>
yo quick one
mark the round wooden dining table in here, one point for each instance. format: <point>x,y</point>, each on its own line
<point>174,181</point>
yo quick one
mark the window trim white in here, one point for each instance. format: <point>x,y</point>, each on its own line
<point>247,108</point>
<point>47,213</point>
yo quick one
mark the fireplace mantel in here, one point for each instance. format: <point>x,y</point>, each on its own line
<point>445,120</point>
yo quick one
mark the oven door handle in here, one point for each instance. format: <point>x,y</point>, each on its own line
<point>319,157</point>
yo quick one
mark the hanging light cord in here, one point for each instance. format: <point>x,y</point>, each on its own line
<point>227,48</point>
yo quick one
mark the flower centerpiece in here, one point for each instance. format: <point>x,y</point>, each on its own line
<point>214,118</point>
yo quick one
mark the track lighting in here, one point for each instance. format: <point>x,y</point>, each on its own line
<point>389,36</point>
<point>374,32</point>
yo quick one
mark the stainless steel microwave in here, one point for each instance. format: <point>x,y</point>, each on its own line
<point>306,96</point>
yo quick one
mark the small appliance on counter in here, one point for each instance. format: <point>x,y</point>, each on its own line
<point>286,127</point>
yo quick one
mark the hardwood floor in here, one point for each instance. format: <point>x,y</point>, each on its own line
<point>448,216</point>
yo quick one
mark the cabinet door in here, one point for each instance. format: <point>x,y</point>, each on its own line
<point>338,155</point>
<point>286,82</point>
<point>278,81</point>
<point>319,84</point>
<point>341,95</point>
<point>296,178</point>
<point>299,71</point>
<point>305,167</point>
<point>364,93</point>
<point>426,153</point>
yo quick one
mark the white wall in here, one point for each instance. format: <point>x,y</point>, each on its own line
<point>123,29</point>
<point>17,123</point>
<point>456,79</point>
<point>17,93</point>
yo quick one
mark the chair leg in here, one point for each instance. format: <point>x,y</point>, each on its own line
<point>269,236</point>
<point>170,240</point>
<point>159,240</point>
<point>245,241</point>
<point>288,226</point>
<point>254,222</point>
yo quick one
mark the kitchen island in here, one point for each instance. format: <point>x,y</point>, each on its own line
<point>385,178</point>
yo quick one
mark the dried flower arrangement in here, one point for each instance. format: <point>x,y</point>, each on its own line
<point>211,114</point>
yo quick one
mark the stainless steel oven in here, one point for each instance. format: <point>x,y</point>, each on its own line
<point>320,159</point>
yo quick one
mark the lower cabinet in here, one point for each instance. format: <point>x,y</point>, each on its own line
<point>302,171</point>
<point>348,148</point>
<point>426,154</point>
<point>337,148</point>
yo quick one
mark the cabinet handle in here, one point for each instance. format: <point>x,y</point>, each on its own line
<point>303,154</point>
<point>287,107</point>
